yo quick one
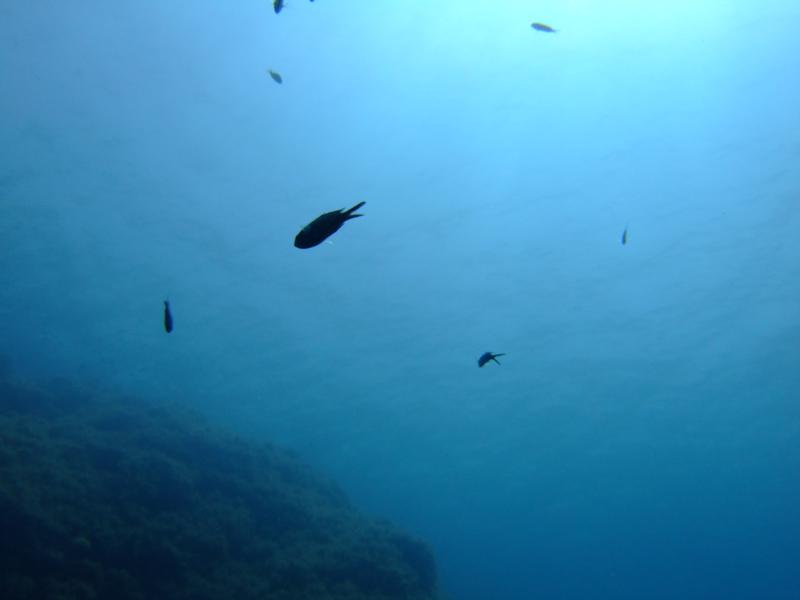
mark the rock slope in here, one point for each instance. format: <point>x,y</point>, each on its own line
<point>114,498</point>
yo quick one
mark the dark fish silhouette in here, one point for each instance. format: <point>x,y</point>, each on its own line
<point>324,226</point>
<point>167,317</point>
<point>625,236</point>
<point>543,27</point>
<point>278,5</point>
<point>487,356</point>
<point>276,77</point>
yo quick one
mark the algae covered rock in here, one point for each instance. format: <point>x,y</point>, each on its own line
<point>113,498</point>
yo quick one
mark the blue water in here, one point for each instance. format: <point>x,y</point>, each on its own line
<point>642,436</point>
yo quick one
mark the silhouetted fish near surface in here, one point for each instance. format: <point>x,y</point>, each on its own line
<point>167,317</point>
<point>625,236</point>
<point>278,6</point>
<point>324,226</point>
<point>543,27</point>
<point>487,356</point>
<point>276,77</point>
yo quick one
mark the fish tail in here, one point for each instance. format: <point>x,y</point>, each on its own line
<point>349,212</point>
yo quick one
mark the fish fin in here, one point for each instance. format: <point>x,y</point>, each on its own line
<point>349,212</point>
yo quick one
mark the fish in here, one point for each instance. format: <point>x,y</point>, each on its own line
<point>625,236</point>
<point>543,27</point>
<point>487,356</point>
<point>278,5</point>
<point>276,77</point>
<point>168,323</point>
<point>324,226</point>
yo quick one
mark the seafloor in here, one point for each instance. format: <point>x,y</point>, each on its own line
<point>109,497</point>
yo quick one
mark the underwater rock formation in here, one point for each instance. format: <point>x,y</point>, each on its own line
<point>114,498</point>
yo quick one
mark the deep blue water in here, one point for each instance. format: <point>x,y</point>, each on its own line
<point>642,436</point>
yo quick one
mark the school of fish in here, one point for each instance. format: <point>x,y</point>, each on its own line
<point>325,225</point>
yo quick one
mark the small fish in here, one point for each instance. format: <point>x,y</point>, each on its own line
<point>543,27</point>
<point>324,226</point>
<point>276,77</point>
<point>278,6</point>
<point>167,317</point>
<point>625,236</point>
<point>487,356</point>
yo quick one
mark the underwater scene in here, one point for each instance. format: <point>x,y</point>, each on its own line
<point>383,299</point>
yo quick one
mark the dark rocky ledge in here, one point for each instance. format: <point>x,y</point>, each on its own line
<point>116,498</point>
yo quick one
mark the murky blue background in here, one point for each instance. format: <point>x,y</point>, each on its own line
<point>642,437</point>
